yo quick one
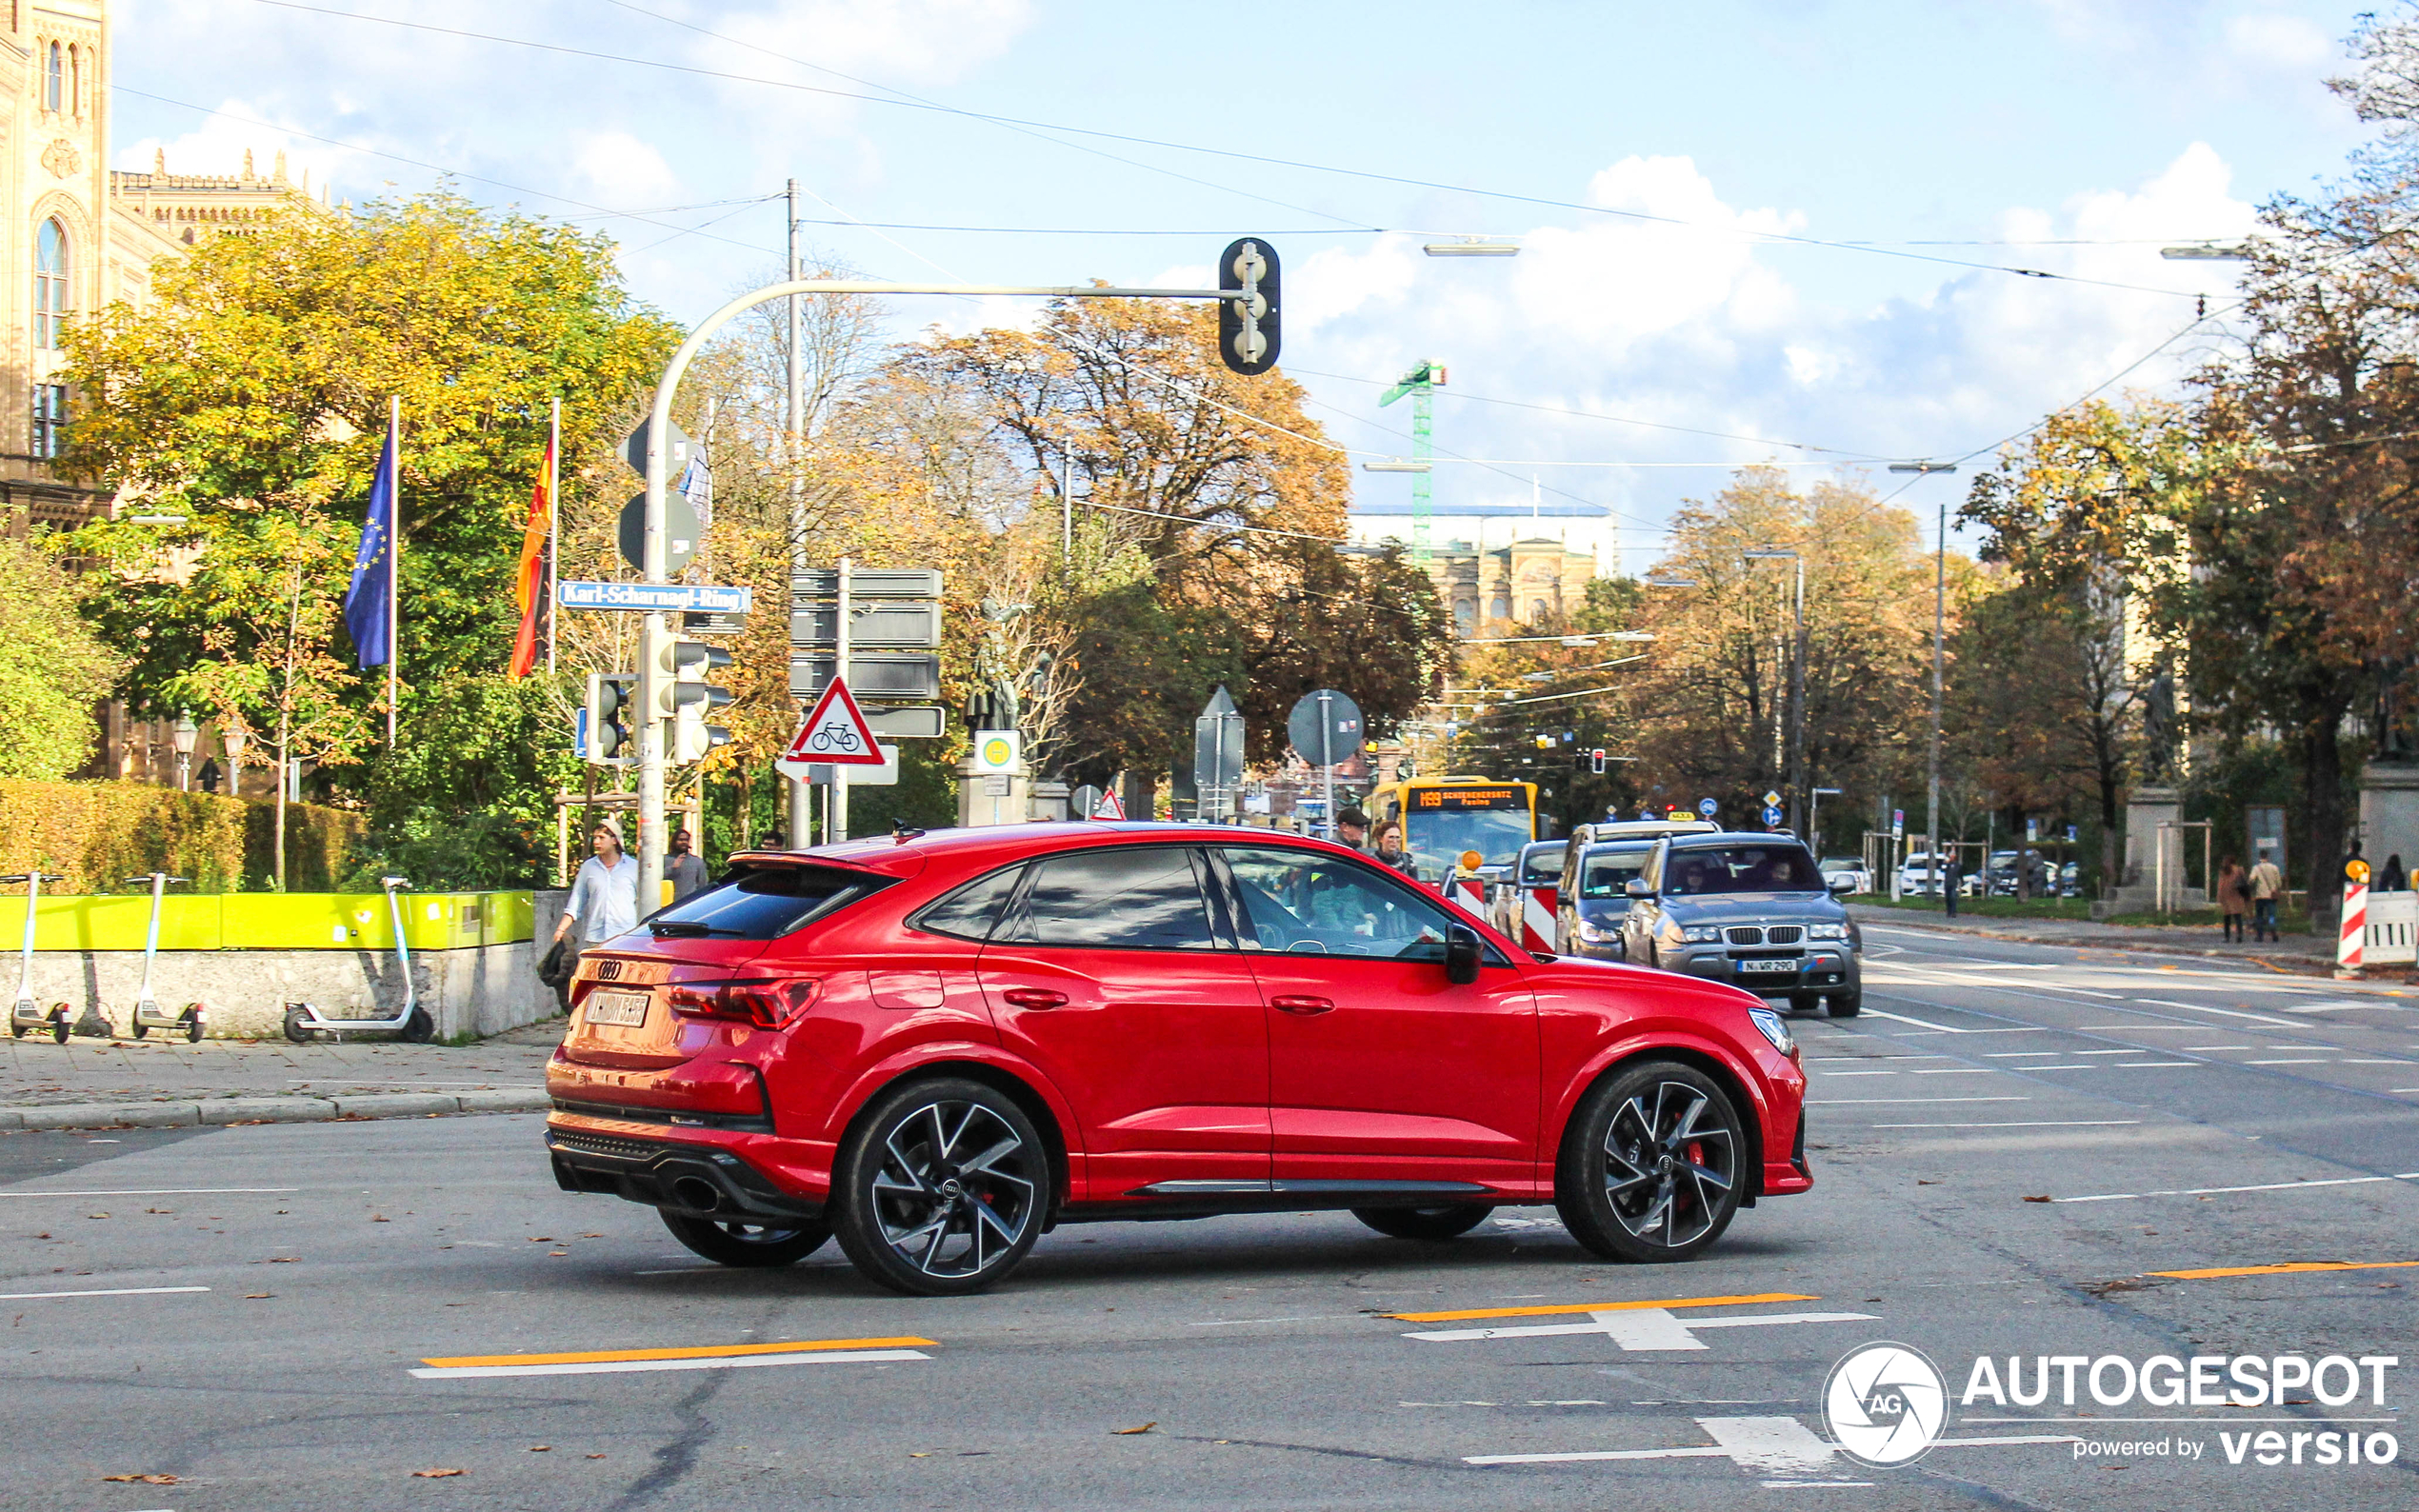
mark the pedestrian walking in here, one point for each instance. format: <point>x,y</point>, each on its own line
<point>2268,885</point>
<point>1951,881</point>
<point>1352,828</point>
<point>1389,849</point>
<point>2233,899</point>
<point>683,868</point>
<point>604,901</point>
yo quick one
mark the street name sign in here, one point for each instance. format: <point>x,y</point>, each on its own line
<point>644,598</point>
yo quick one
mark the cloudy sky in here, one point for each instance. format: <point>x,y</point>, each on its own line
<point>1788,224</point>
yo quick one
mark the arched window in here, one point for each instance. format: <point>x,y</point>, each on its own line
<point>1464,615</point>
<point>49,285</point>
<point>1500,608</point>
<point>55,80</point>
<point>1536,611</point>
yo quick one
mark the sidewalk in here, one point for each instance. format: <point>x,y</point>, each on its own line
<point>166,1083</point>
<point>2296,953</point>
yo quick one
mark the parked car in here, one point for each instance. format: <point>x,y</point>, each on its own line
<point>1595,898</point>
<point>2071,880</point>
<point>2006,867</point>
<point>1747,909</point>
<point>1919,876</point>
<point>1860,877</point>
<point>939,1047</point>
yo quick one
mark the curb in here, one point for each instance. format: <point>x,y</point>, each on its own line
<point>220,1111</point>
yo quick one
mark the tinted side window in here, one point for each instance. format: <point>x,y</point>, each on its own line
<point>974,910</point>
<point>1117,898</point>
<point>1312,904</point>
<point>765,902</point>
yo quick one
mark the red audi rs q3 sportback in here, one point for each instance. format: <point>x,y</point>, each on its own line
<point>940,1046</point>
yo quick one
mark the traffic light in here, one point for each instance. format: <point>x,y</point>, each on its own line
<point>609,738</point>
<point>1596,759</point>
<point>685,699</point>
<point>1248,330</point>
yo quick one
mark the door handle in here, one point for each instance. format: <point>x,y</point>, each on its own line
<point>1035,998</point>
<point>1293,1002</point>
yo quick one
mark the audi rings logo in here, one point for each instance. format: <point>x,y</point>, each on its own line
<point>1885,1405</point>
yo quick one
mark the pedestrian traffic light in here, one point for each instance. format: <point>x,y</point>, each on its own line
<point>1247,326</point>
<point>608,738</point>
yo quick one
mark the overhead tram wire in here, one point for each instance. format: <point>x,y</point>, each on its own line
<point>643,217</point>
<point>901,101</point>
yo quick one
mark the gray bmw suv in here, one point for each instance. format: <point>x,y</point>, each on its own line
<point>1749,909</point>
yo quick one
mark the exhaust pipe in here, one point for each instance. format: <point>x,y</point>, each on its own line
<point>697,1193</point>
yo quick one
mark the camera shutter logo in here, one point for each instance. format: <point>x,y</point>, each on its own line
<point>1885,1405</point>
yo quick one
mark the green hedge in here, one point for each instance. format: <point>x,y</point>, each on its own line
<point>100,833</point>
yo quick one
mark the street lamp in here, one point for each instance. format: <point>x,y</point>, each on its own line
<point>233,741</point>
<point>1939,619</point>
<point>185,732</point>
<point>1670,583</point>
<point>2209,252</point>
<point>1797,673</point>
<point>1396,464</point>
<point>1472,247</point>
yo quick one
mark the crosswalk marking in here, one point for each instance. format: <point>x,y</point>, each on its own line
<point>1639,1327</point>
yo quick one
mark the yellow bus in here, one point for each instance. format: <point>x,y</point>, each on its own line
<point>1444,816</point>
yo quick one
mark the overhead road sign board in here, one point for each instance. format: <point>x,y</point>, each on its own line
<point>907,722</point>
<point>911,625</point>
<point>901,676</point>
<point>646,598</point>
<point>886,775</point>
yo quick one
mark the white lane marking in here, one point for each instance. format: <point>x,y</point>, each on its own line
<point>2078,1122</point>
<point>1856,1073</point>
<point>2145,1065</point>
<point>2373,1063</point>
<point>1316,1317</point>
<point>165,1191</point>
<point>2104,1052</point>
<point>2219,1047</point>
<point>1725,1451</point>
<point>2265,1186</point>
<point>1837,1101</point>
<point>1639,1327</point>
<point>2224,1013</point>
<point>1773,1445</point>
<point>1953,1070</point>
<point>105,1291</point>
<point>597,1367</point>
<point>2291,1059</point>
<point>2020,1054</point>
<point>2329,1007</point>
<point>1920,1024</point>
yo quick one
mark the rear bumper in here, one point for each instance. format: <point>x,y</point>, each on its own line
<point>708,1174</point>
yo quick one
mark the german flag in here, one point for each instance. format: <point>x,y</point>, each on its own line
<point>529,582</point>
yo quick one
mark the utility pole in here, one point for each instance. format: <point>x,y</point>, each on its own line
<point>1939,622</point>
<point>1797,705</point>
<point>792,424</point>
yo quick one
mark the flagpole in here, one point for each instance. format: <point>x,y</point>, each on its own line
<point>553,522</point>
<point>395,557</point>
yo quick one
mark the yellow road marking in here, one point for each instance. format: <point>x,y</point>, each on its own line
<point>1597,1306</point>
<point>2280,1270</point>
<point>703,1352</point>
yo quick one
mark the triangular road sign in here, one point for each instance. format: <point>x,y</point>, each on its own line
<point>1108,807</point>
<point>834,734</point>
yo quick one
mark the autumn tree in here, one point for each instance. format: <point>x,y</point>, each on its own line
<point>53,669</point>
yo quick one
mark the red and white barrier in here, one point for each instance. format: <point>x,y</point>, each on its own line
<point>1537,917</point>
<point>2350,943</point>
<point>1470,891</point>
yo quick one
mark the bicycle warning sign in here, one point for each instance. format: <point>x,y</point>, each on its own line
<point>834,734</point>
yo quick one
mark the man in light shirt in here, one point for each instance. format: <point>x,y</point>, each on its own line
<point>2268,885</point>
<point>603,900</point>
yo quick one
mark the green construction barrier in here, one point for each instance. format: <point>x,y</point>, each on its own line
<point>270,921</point>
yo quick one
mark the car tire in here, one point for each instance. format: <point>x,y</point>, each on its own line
<point>728,1242</point>
<point>1425,1223</point>
<point>942,1189</point>
<point>1805,1002</point>
<point>1652,1165</point>
<point>1845,1004</point>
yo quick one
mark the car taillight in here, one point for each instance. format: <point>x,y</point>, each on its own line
<point>766,1001</point>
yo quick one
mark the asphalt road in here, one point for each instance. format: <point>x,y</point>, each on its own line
<point>243,1309</point>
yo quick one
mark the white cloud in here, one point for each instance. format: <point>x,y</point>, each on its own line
<point>2287,44</point>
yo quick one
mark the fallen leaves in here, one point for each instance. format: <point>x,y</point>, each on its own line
<point>1145,1428</point>
<point>433,1475</point>
<point>540,1448</point>
<point>143,1480</point>
<point>2042,1198</point>
<point>96,1215</point>
<point>258,1296</point>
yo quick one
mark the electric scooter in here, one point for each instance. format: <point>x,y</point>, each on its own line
<point>147,1014</point>
<point>303,1020</point>
<point>26,1016</point>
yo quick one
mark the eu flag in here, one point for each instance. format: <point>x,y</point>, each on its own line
<point>370,602</point>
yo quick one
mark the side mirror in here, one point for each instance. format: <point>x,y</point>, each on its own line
<point>1842,882</point>
<point>1462,952</point>
<point>1636,888</point>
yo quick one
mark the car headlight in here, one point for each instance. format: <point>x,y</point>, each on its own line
<point>1775,1029</point>
<point>1596,933</point>
<point>1701,934</point>
<point>1826,931</point>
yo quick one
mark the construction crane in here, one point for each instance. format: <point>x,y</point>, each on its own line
<point>1421,384</point>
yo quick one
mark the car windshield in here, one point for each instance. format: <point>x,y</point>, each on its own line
<point>1740,868</point>
<point>1607,873</point>
<point>1438,837</point>
<point>1842,864</point>
<point>1542,865</point>
<point>765,903</point>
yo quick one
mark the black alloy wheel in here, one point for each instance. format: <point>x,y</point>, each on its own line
<point>942,1188</point>
<point>1652,1164</point>
<point>726,1242</point>
<point>1425,1223</point>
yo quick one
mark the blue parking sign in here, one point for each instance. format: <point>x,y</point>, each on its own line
<point>1707,807</point>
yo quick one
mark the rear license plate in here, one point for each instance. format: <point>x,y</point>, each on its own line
<point>626,1008</point>
<point>1768,966</point>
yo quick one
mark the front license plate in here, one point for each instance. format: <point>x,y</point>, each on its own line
<point>1768,966</point>
<point>626,1008</point>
